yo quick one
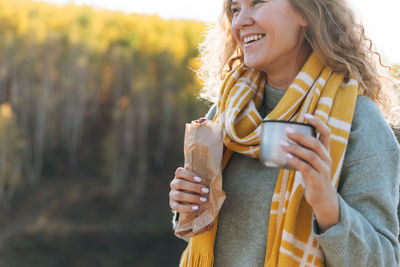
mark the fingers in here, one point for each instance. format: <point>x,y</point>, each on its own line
<point>182,185</point>
<point>187,192</point>
<point>183,208</point>
<point>321,127</point>
<point>187,198</point>
<point>310,143</point>
<point>306,169</point>
<point>306,155</point>
<point>187,175</point>
<point>309,152</point>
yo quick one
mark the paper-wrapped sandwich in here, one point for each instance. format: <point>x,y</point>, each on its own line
<point>203,149</point>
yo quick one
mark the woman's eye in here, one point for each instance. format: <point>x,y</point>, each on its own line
<point>234,10</point>
<point>255,2</point>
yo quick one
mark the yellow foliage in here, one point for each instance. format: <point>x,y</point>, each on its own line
<point>97,29</point>
<point>5,112</point>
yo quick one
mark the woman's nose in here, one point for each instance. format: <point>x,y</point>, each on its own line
<point>244,18</point>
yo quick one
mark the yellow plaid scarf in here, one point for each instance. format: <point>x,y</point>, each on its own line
<point>316,90</point>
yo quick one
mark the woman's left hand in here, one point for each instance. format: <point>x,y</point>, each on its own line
<point>311,157</point>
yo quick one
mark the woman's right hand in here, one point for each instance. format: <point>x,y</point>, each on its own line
<point>187,191</point>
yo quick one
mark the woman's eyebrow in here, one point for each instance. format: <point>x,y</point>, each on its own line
<point>234,3</point>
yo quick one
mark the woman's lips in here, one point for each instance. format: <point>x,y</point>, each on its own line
<point>252,43</point>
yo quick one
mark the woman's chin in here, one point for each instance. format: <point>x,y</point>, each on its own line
<point>253,65</point>
<point>254,62</point>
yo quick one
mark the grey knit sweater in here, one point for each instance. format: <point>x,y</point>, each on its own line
<point>368,191</point>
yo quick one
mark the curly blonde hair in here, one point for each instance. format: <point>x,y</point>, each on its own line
<point>332,32</point>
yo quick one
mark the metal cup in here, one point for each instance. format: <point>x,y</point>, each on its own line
<point>272,133</point>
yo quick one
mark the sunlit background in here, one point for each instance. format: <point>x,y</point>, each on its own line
<point>93,104</point>
<point>380,18</point>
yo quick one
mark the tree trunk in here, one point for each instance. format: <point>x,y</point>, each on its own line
<point>165,124</point>
<point>142,149</point>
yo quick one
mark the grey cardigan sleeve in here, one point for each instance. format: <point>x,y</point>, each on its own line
<point>367,233</point>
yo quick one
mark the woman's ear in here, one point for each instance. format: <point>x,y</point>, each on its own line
<point>303,21</point>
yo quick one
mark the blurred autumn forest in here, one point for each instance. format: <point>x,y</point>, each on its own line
<point>93,105</point>
<point>92,115</point>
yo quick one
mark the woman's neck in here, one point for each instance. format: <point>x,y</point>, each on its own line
<point>282,75</point>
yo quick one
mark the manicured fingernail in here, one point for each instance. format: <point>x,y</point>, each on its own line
<point>284,143</point>
<point>195,207</point>
<point>205,190</point>
<point>203,199</point>
<point>290,130</point>
<point>197,179</point>
<point>289,156</point>
<point>309,117</point>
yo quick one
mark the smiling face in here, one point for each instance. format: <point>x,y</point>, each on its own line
<point>268,32</point>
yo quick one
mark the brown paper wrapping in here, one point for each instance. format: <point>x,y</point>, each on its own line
<point>203,149</point>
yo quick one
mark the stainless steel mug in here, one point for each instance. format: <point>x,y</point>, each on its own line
<point>272,133</point>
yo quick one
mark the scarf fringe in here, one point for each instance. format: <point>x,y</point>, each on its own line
<point>198,260</point>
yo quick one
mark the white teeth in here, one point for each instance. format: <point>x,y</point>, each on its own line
<point>253,38</point>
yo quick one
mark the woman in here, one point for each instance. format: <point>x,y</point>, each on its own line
<point>308,61</point>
